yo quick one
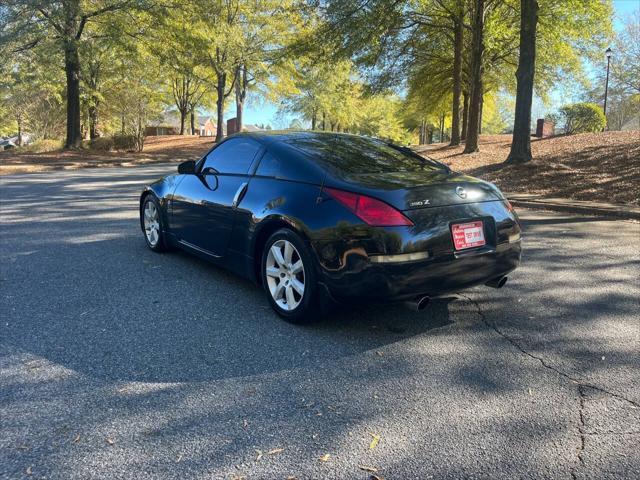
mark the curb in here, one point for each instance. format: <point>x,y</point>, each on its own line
<point>612,211</point>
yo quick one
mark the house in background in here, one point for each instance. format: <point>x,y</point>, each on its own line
<point>166,124</point>
<point>209,128</point>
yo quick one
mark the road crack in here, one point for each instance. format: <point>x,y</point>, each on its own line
<point>582,430</point>
<point>543,362</point>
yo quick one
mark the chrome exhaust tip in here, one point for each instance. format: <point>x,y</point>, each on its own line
<point>498,282</point>
<point>419,304</point>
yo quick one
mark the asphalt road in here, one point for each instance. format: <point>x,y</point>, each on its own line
<point>116,362</point>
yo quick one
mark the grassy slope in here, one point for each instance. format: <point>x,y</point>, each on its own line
<point>593,166</point>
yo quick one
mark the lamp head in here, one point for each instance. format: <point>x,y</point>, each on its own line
<point>608,52</point>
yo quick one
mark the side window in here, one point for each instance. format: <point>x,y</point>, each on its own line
<point>270,166</point>
<point>287,167</point>
<point>233,156</point>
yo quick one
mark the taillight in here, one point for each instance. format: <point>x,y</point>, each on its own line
<point>372,211</point>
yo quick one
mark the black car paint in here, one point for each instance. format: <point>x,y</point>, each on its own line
<point>199,215</point>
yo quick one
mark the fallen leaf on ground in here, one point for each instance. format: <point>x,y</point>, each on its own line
<point>368,469</point>
<point>275,450</point>
<point>325,457</point>
<point>28,471</point>
<point>77,439</point>
<point>259,452</point>
<point>179,458</point>
<point>109,440</point>
<point>375,477</point>
<point>379,353</point>
<point>374,442</point>
<point>245,424</point>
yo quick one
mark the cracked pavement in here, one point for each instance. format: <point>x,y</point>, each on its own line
<point>116,362</point>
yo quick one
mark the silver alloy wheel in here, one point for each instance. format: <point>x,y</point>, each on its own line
<point>152,223</point>
<point>285,274</point>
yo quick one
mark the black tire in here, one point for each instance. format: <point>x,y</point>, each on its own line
<point>161,244</point>
<point>307,311</point>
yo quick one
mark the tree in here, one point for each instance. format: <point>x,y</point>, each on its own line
<point>626,61</point>
<point>521,143</point>
<point>477,69</point>
<point>33,21</point>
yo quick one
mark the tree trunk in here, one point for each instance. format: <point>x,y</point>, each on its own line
<point>183,116</point>
<point>457,77</point>
<point>313,119</point>
<point>193,122</point>
<point>324,121</point>
<point>521,143</point>
<point>481,110</point>
<point>442,128</point>
<point>477,50</point>
<point>239,111</point>
<point>222,81</point>
<point>93,121</point>
<point>241,94</point>
<point>465,115</point>
<point>20,141</point>
<point>72,70</point>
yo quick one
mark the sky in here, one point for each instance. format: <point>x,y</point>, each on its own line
<point>267,113</point>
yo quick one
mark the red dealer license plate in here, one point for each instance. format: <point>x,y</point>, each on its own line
<point>468,235</point>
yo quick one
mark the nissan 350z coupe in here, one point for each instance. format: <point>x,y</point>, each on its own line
<point>319,218</point>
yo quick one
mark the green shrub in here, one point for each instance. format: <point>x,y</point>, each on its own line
<point>42,146</point>
<point>127,143</point>
<point>104,144</point>
<point>583,118</point>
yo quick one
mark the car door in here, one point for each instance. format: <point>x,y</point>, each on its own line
<point>204,204</point>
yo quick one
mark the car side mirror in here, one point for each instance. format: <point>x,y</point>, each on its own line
<point>187,168</point>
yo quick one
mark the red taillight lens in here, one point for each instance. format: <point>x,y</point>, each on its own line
<point>372,211</point>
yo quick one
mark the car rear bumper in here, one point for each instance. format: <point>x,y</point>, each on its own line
<point>388,282</point>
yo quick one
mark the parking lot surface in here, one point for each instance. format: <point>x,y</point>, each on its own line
<point>117,362</point>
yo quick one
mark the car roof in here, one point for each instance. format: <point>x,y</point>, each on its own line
<point>269,136</point>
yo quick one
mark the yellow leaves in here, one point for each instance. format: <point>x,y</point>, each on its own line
<point>374,441</point>
<point>325,458</point>
<point>368,469</point>
<point>273,451</point>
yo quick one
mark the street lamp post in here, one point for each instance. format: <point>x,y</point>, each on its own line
<point>606,83</point>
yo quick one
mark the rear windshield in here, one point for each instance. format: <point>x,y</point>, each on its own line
<point>361,155</point>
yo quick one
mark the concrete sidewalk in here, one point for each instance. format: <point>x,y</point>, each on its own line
<point>628,212</point>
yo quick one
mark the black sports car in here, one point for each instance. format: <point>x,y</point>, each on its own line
<point>318,218</point>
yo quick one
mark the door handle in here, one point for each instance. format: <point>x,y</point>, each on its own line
<point>237,198</point>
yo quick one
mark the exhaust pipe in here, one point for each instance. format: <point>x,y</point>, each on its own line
<point>498,282</point>
<point>419,304</point>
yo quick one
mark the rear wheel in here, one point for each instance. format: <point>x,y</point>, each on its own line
<point>289,277</point>
<point>152,224</point>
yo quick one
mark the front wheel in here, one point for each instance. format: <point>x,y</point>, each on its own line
<point>289,277</point>
<point>152,224</point>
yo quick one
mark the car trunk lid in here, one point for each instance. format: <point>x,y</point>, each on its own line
<point>416,190</point>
